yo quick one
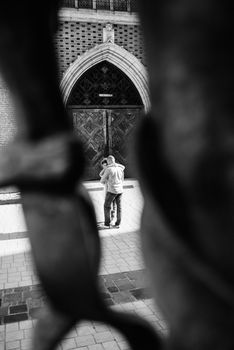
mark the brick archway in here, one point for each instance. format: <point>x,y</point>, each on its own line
<point>116,55</point>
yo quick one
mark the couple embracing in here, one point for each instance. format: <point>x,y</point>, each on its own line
<point>112,177</point>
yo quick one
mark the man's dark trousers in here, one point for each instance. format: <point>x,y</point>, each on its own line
<point>110,197</point>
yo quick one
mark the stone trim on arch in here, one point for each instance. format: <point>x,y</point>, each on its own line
<point>116,55</point>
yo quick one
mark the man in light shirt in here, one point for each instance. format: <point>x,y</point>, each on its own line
<point>113,176</point>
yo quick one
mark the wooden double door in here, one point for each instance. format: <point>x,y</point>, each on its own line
<point>104,132</point>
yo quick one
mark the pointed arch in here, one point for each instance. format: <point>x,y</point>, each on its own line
<point>116,55</point>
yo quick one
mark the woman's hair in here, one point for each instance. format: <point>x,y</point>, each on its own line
<point>104,161</point>
<point>111,159</point>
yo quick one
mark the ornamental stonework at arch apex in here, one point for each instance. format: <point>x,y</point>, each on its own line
<point>116,55</point>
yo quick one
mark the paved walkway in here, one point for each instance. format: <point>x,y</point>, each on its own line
<point>123,278</point>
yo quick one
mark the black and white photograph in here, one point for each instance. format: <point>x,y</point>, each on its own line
<point>116,175</point>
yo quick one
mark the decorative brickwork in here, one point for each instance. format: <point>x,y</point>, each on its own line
<point>74,39</point>
<point>130,37</point>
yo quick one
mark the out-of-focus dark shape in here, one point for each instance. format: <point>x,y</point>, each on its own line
<point>185,154</point>
<point>46,162</point>
<point>185,158</point>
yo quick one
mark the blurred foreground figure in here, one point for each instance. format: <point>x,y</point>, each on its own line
<point>46,163</point>
<point>186,163</point>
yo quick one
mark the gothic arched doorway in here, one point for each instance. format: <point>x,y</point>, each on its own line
<point>104,105</point>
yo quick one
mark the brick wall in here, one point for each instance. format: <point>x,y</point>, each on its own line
<point>7,115</point>
<point>75,38</point>
<point>72,40</point>
<point>130,37</point>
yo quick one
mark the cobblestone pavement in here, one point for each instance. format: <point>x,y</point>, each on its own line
<point>123,278</point>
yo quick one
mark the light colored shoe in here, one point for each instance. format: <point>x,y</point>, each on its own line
<point>102,226</point>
